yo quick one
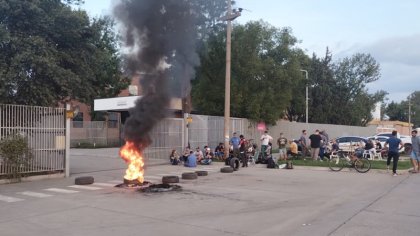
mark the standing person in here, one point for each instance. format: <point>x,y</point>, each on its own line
<point>242,150</point>
<point>265,139</point>
<point>415,152</point>
<point>315,144</point>
<point>303,141</point>
<point>395,145</point>
<point>282,142</point>
<point>324,144</point>
<point>234,142</point>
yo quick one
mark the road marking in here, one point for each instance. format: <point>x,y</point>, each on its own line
<point>176,173</point>
<point>10,199</point>
<point>84,187</point>
<point>163,174</point>
<point>105,184</point>
<point>60,190</point>
<point>153,177</point>
<point>35,194</point>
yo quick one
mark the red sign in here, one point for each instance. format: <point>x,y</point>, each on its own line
<point>261,126</point>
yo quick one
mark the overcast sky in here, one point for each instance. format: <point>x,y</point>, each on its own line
<point>387,29</point>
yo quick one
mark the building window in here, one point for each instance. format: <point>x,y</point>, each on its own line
<point>78,120</point>
<point>112,120</point>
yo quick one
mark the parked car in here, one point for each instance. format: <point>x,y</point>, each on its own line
<point>382,139</point>
<point>404,138</point>
<point>350,143</point>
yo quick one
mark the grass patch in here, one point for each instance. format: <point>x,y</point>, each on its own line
<point>376,164</point>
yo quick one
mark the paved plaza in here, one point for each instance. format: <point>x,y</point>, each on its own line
<point>251,201</point>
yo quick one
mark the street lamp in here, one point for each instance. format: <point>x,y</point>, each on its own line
<point>306,105</point>
<point>229,18</point>
<point>409,113</point>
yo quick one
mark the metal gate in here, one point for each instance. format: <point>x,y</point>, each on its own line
<point>167,135</point>
<point>209,130</point>
<point>44,129</point>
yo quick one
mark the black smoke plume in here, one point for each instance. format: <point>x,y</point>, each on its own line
<point>159,42</point>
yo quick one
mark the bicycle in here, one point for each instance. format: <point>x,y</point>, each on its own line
<point>341,159</point>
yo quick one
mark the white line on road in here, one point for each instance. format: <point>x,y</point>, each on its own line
<point>10,199</point>
<point>60,190</point>
<point>105,184</point>
<point>84,187</point>
<point>153,177</point>
<point>35,194</point>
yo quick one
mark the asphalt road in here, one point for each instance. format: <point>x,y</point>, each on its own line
<point>251,201</point>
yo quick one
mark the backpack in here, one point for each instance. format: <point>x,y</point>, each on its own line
<point>270,163</point>
<point>289,165</point>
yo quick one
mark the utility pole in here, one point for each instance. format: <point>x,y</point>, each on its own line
<point>229,17</point>
<point>409,114</point>
<point>306,99</point>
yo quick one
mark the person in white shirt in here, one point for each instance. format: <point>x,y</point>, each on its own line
<point>265,139</point>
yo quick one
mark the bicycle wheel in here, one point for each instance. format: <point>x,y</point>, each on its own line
<point>336,163</point>
<point>362,165</point>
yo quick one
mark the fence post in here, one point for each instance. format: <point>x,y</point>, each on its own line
<point>185,130</point>
<point>67,155</point>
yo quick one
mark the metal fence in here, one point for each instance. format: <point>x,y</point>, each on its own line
<point>209,130</point>
<point>167,135</point>
<point>44,129</point>
<point>95,134</point>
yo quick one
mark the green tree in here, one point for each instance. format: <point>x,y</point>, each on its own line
<point>415,108</point>
<point>264,67</point>
<point>353,102</point>
<point>337,90</point>
<point>51,53</point>
<point>399,111</point>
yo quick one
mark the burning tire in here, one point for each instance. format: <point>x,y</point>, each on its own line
<point>170,179</point>
<point>234,163</point>
<point>226,169</point>
<point>202,173</point>
<point>84,180</point>
<point>189,175</point>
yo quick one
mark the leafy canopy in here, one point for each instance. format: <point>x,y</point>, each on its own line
<point>51,53</point>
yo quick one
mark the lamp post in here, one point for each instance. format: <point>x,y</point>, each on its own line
<point>229,18</point>
<point>306,100</point>
<point>409,114</point>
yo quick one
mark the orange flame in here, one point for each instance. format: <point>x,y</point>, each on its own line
<point>131,155</point>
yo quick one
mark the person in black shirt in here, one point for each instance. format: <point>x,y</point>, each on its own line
<point>315,144</point>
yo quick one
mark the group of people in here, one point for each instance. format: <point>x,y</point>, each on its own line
<point>317,146</point>
<point>191,158</point>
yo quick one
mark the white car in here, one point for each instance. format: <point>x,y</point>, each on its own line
<point>381,139</point>
<point>350,143</point>
<point>404,138</point>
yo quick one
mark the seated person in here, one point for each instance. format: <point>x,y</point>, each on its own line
<point>231,155</point>
<point>370,147</point>
<point>268,151</point>
<point>208,156</point>
<point>191,160</point>
<point>199,154</point>
<point>380,149</point>
<point>174,158</point>
<point>293,149</point>
<point>219,152</point>
<point>332,149</point>
<point>186,154</point>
